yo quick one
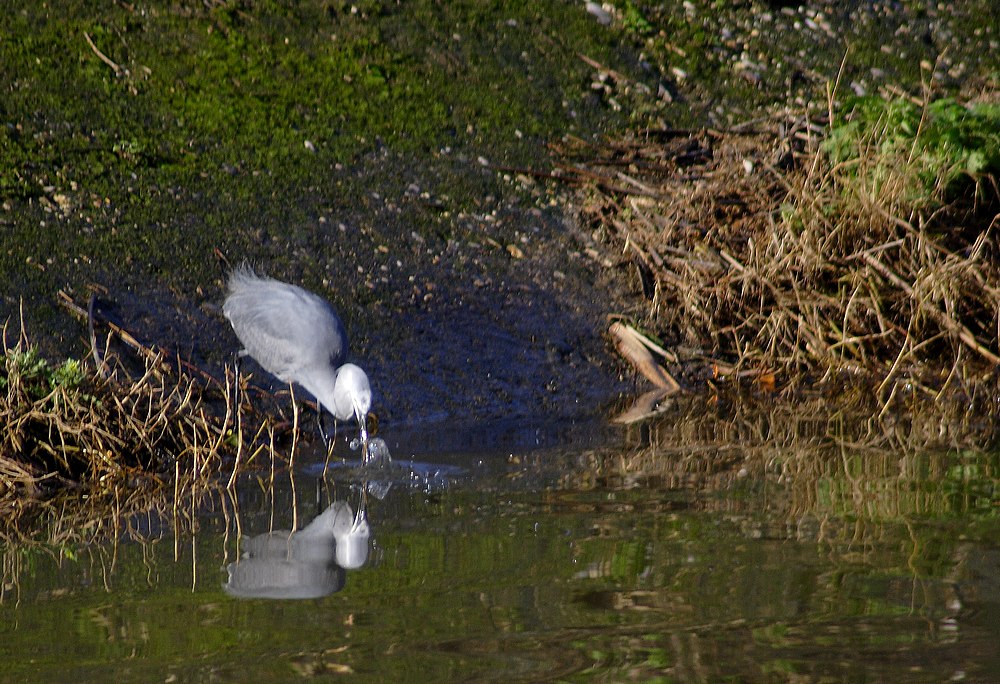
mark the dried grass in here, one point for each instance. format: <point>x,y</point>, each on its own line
<point>758,254</point>
<point>131,413</point>
<point>66,428</point>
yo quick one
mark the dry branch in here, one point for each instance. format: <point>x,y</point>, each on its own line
<point>946,321</point>
<point>635,347</point>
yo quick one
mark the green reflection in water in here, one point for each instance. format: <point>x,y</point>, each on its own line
<point>877,578</point>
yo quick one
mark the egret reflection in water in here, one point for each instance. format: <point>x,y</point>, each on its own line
<point>309,563</point>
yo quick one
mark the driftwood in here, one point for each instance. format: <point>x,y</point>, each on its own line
<point>638,350</point>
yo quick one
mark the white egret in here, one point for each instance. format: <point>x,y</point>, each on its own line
<point>297,336</point>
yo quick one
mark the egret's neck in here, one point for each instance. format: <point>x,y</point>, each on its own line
<point>321,386</point>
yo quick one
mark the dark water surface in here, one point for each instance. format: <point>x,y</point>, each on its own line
<point>565,562</point>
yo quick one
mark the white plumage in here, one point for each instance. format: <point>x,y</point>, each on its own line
<point>297,337</point>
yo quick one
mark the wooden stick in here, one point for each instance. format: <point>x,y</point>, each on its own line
<point>103,57</point>
<point>635,348</point>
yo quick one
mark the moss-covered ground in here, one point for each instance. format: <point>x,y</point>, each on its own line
<point>142,136</point>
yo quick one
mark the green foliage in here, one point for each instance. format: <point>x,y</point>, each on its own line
<point>69,374</point>
<point>28,373</point>
<point>24,364</point>
<point>25,369</point>
<point>943,144</point>
<point>634,19</point>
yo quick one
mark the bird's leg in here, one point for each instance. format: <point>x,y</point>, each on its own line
<point>366,455</point>
<point>362,506</point>
<point>295,425</point>
<point>236,374</point>
<point>322,428</point>
<point>327,442</point>
<point>237,397</point>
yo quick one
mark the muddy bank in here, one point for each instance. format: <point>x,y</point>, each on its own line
<point>371,153</point>
<point>352,150</point>
<point>496,312</point>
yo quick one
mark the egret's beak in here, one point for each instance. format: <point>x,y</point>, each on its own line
<point>362,417</point>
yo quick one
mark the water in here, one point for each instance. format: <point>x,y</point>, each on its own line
<point>576,562</point>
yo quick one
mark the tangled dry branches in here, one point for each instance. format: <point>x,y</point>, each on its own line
<point>754,248</point>
<point>62,425</point>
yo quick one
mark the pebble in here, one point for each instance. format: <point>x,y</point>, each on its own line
<point>602,16</point>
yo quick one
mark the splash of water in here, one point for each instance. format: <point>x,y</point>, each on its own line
<point>373,450</point>
<point>378,451</point>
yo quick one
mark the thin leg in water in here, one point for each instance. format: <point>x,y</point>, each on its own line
<point>238,397</point>
<point>295,426</point>
<point>321,422</point>
<point>327,441</point>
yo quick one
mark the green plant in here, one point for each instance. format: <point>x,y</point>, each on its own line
<point>26,370</point>
<point>634,20</point>
<point>935,148</point>
<point>68,375</point>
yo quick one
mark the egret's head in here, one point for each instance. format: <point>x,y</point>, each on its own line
<point>352,395</point>
<point>351,533</point>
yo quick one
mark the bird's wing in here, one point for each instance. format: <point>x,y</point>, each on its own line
<point>285,328</point>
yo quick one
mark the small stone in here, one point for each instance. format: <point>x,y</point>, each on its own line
<point>597,10</point>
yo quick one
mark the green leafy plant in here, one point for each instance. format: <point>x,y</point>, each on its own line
<point>937,148</point>
<point>69,374</point>
<point>27,370</point>
<point>634,20</point>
